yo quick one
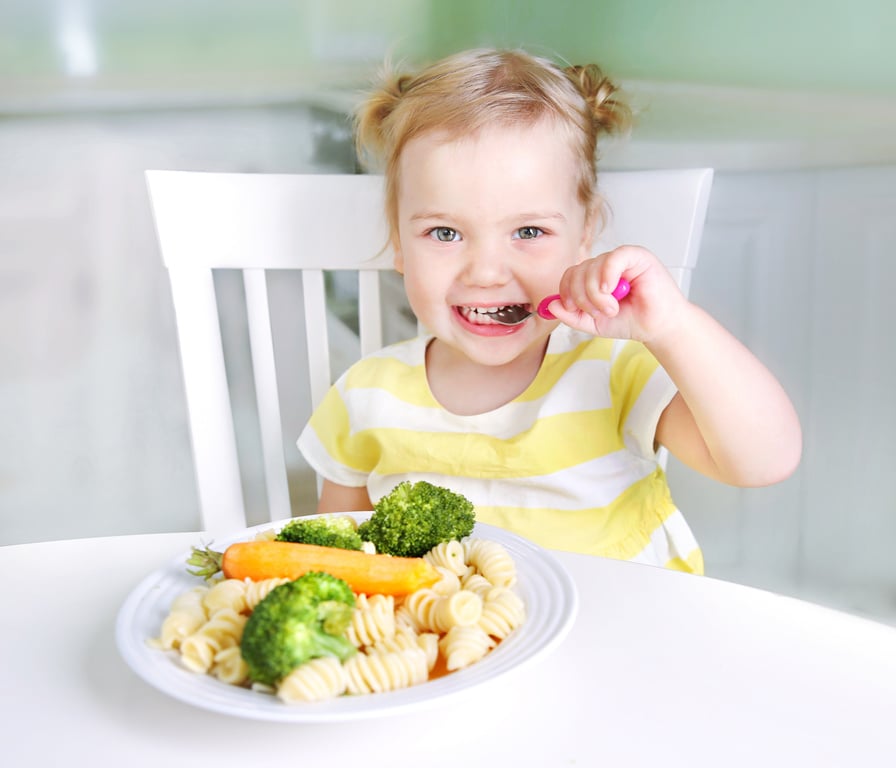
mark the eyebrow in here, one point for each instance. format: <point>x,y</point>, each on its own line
<point>542,215</point>
<point>429,215</point>
<point>529,216</point>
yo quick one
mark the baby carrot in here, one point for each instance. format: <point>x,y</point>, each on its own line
<point>370,574</point>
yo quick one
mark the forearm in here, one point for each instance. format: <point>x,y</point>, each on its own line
<point>342,498</point>
<point>739,425</point>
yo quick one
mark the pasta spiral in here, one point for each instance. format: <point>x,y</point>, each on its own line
<point>502,612</point>
<point>462,646</point>
<point>185,616</point>
<point>389,671</point>
<point>448,583</point>
<point>229,593</point>
<point>256,591</point>
<point>449,555</point>
<point>373,620</point>
<point>476,582</point>
<point>229,666</point>
<point>492,560</point>
<point>315,680</point>
<point>404,638</point>
<point>437,613</point>
<point>223,630</point>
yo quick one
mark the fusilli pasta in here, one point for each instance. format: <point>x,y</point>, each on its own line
<point>185,616</point>
<point>256,591</point>
<point>315,680</point>
<point>223,630</point>
<point>449,555</point>
<point>492,560</point>
<point>462,646</point>
<point>229,666</point>
<point>372,621</point>
<point>400,641</point>
<point>229,593</point>
<point>502,612</point>
<point>387,671</point>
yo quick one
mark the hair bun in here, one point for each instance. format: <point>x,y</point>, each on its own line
<point>372,117</point>
<point>610,112</point>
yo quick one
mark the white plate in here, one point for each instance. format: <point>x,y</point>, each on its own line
<point>543,583</point>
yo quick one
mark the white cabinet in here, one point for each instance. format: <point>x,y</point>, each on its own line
<point>801,266</point>
<point>92,414</point>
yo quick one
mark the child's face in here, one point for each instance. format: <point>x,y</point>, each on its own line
<point>488,222</point>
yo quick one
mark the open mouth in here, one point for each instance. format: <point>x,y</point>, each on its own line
<point>509,314</point>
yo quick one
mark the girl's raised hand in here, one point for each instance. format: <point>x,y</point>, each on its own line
<point>650,309</point>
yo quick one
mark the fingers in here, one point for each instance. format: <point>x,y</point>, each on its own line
<point>600,283</point>
<point>584,288</point>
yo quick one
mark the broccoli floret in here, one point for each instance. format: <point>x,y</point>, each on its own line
<point>295,622</point>
<point>323,531</point>
<point>413,517</point>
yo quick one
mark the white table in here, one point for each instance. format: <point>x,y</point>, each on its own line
<point>660,669</point>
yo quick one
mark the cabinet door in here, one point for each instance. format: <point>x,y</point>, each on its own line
<point>850,416</point>
<point>752,276</point>
<point>92,408</point>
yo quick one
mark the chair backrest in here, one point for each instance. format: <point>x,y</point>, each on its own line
<point>256,223</point>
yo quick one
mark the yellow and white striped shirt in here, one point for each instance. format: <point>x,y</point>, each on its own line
<point>569,464</point>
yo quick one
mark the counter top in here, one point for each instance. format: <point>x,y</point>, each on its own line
<point>677,124</point>
<point>659,668</point>
<point>746,129</point>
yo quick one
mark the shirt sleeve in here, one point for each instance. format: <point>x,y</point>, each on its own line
<point>641,389</point>
<point>326,442</point>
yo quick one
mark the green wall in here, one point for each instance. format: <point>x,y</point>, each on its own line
<point>812,44</point>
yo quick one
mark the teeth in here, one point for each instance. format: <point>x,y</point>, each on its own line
<point>506,314</point>
<point>490,310</point>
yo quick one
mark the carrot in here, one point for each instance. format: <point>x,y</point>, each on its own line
<point>370,574</point>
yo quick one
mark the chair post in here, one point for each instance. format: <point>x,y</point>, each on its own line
<point>267,393</point>
<point>208,400</point>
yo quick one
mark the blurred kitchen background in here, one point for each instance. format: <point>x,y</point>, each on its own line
<point>793,102</point>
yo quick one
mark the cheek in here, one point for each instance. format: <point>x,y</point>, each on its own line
<point>426,288</point>
<point>418,290</point>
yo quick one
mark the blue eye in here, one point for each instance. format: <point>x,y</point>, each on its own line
<point>445,234</point>
<point>528,233</point>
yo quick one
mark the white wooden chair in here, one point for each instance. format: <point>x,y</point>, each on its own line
<point>256,223</point>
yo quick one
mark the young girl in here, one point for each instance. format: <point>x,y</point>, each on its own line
<point>550,427</point>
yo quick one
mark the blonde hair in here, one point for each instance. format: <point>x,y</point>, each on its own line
<point>462,94</point>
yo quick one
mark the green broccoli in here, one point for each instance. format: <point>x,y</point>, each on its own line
<point>295,622</point>
<point>339,531</point>
<point>413,517</point>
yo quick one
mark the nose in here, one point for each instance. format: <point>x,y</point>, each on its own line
<point>487,264</point>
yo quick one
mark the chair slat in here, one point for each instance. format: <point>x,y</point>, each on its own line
<point>267,393</point>
<point>316,334</point>
<point>369,311</point>
<point>208,400</point>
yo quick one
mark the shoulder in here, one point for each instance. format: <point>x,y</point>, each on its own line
<point>567,347</point>
<point>403,355</point>
<point>570,343</point>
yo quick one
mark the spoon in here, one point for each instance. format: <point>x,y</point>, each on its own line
<point>514,315</point>
<point>622,289</point>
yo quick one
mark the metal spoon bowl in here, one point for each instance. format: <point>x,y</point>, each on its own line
<point>513,315</point>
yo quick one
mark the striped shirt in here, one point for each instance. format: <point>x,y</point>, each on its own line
<point>569,464</point>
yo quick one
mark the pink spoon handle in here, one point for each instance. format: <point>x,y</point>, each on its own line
<point>622,289</point>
